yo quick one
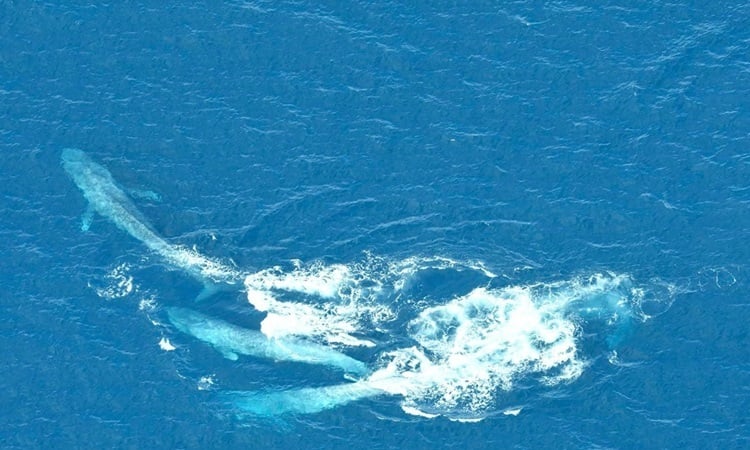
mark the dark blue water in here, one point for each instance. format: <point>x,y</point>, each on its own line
<point>477,186</point>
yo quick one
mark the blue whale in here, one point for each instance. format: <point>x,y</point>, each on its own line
<point>108,199</point>
<point>232,341</point>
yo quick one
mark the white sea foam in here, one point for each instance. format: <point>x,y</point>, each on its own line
<point>406,268</point>
<point>334,320</point>
<point>512,411</point>
<point>330,323</point>
<point>147,304</point>
<point>209,268</point>
<point>338,303</point>
<point>335,304</point>
<point>471,349</point>
<point>165,345</point>
<point>118,283</point>
<point>477,346</point>
<point>206,382</point>
<point>316,279</point>
<point>480,344</point>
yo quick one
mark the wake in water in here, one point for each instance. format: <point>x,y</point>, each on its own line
<point>459,343</point>
<point>342,303</point>
<point>471,348</point>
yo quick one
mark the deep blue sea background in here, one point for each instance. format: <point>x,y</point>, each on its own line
<point>544,139</point>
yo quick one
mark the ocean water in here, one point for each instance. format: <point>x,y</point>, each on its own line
<point>375,225</point>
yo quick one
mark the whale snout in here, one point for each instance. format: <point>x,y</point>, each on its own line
<point>73,155</point>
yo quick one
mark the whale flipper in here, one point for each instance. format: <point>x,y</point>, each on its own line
<point>209,290</point>
<point>87,217</point>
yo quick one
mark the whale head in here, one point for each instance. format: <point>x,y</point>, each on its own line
<point>75,160</point>
<point>87,174</point>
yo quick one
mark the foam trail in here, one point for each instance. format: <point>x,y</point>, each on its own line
<point>348,292</point>
<point>232,341</point>
<point>285,318</point>
<point>477,346</point>
<point>106,198</point>
<point>341,303</point>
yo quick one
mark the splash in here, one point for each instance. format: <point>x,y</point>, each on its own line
<point>487,342</point>
<point>166,345</point>
<point>118,283</point>
<point>339,303</point>
<point>471,349</point>
<point>331,320</point>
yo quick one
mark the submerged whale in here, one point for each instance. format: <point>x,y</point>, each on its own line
<point>232,341</point>
<point>109,200</point>
<point>300,401</point>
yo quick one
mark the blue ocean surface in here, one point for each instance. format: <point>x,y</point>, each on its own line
<point>375,225</point>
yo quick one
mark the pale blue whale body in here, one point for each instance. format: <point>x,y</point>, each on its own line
<point>300,401</point>
<point>106,198</point>
<point>232,341</point>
